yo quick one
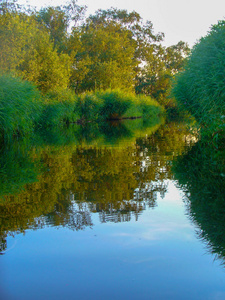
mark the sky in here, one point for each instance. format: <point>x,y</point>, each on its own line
<point>186,20</point>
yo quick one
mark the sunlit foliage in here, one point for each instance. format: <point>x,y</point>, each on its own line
<point>57,48</point>
<point>27,51</point>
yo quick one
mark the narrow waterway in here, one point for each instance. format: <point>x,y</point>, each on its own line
<point>110,216</point>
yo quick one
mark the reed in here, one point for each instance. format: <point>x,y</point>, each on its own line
<point>23,109</point>
<point>117,104</point>
<point>201,87</point>
<point>20,107</point>
<point>60,108</point>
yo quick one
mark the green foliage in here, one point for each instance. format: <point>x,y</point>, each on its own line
<point>27,51</point>
<point>60,108</point>
<point>107,50</point>
<point>161,65</point>
<point>201,174</point>
<point>55,20</point>
<point>103,57</point>
<point>201,87</point>
<point>116,104</point>
<point>89,107</point>
<point>149,107</point>
<point>20,107</point>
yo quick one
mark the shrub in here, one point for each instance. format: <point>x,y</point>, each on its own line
<point>90,107</point>
<point>60,108</point>
<point>115,103</point>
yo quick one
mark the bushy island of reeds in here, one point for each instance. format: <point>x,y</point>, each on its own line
<point>200,88</point>
<point>23,108</point>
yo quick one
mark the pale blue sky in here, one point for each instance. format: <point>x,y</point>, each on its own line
<point>186,20</point>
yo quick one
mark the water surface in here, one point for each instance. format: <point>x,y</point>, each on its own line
<point>111,216</point>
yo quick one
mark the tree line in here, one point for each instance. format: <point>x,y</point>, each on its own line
<point>59,47</point>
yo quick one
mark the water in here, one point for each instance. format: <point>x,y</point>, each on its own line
<point>110,220</point>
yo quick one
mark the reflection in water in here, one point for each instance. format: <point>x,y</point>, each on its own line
<point>201,174</point>
<point>73,182</point>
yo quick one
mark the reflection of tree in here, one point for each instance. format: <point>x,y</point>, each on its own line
<point>76,216</point>
<point>118,183</point>
<point>16,168</point>
<point>202,176</point>
<point>3,242</point>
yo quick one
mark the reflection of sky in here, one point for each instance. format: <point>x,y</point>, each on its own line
<point>157,257</point>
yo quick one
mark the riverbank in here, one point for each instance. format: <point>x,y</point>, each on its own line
<point>24,108</point>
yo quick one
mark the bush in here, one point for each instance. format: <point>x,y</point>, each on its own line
<point>60,108</point>
<point>90,107</point>
<point>115,103</point>
<point>118,105</point>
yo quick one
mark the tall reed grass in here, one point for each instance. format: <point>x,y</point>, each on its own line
<point>20,107</point>
<point>201,87</point>
<point>23,109</point>
<point>115,105</point>
<point>59,108</point>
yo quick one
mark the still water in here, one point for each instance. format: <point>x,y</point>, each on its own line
<point>116,215</point>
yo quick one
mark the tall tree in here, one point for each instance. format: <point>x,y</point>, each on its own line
<point>108,49</point>
<point>103,57</point>
<point>57,20</point>
<point>27,51</point>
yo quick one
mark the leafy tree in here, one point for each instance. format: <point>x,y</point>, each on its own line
<point>27,51</point>
<point>108,48</point>
<point>57,20</point>
<point>163,63</point>
<point>103,58</point>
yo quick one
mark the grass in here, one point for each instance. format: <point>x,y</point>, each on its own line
<point>116,105</point>
<point>201,87</point>
<point>20,107</point>
<point>23,109</point>
<point>60,108</point>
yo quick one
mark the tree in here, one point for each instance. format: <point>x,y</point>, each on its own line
<point>108,49</point>
<point>27,51</point>
<point>57,20</point>
<point>103,57</point>
<point>163,63</point>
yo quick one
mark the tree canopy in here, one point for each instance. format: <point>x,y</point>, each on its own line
<point>57,47</point>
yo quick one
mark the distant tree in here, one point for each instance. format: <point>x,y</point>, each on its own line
<point>154,79</point>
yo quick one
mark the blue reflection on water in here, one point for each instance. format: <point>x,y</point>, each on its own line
<point>158,257</point>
